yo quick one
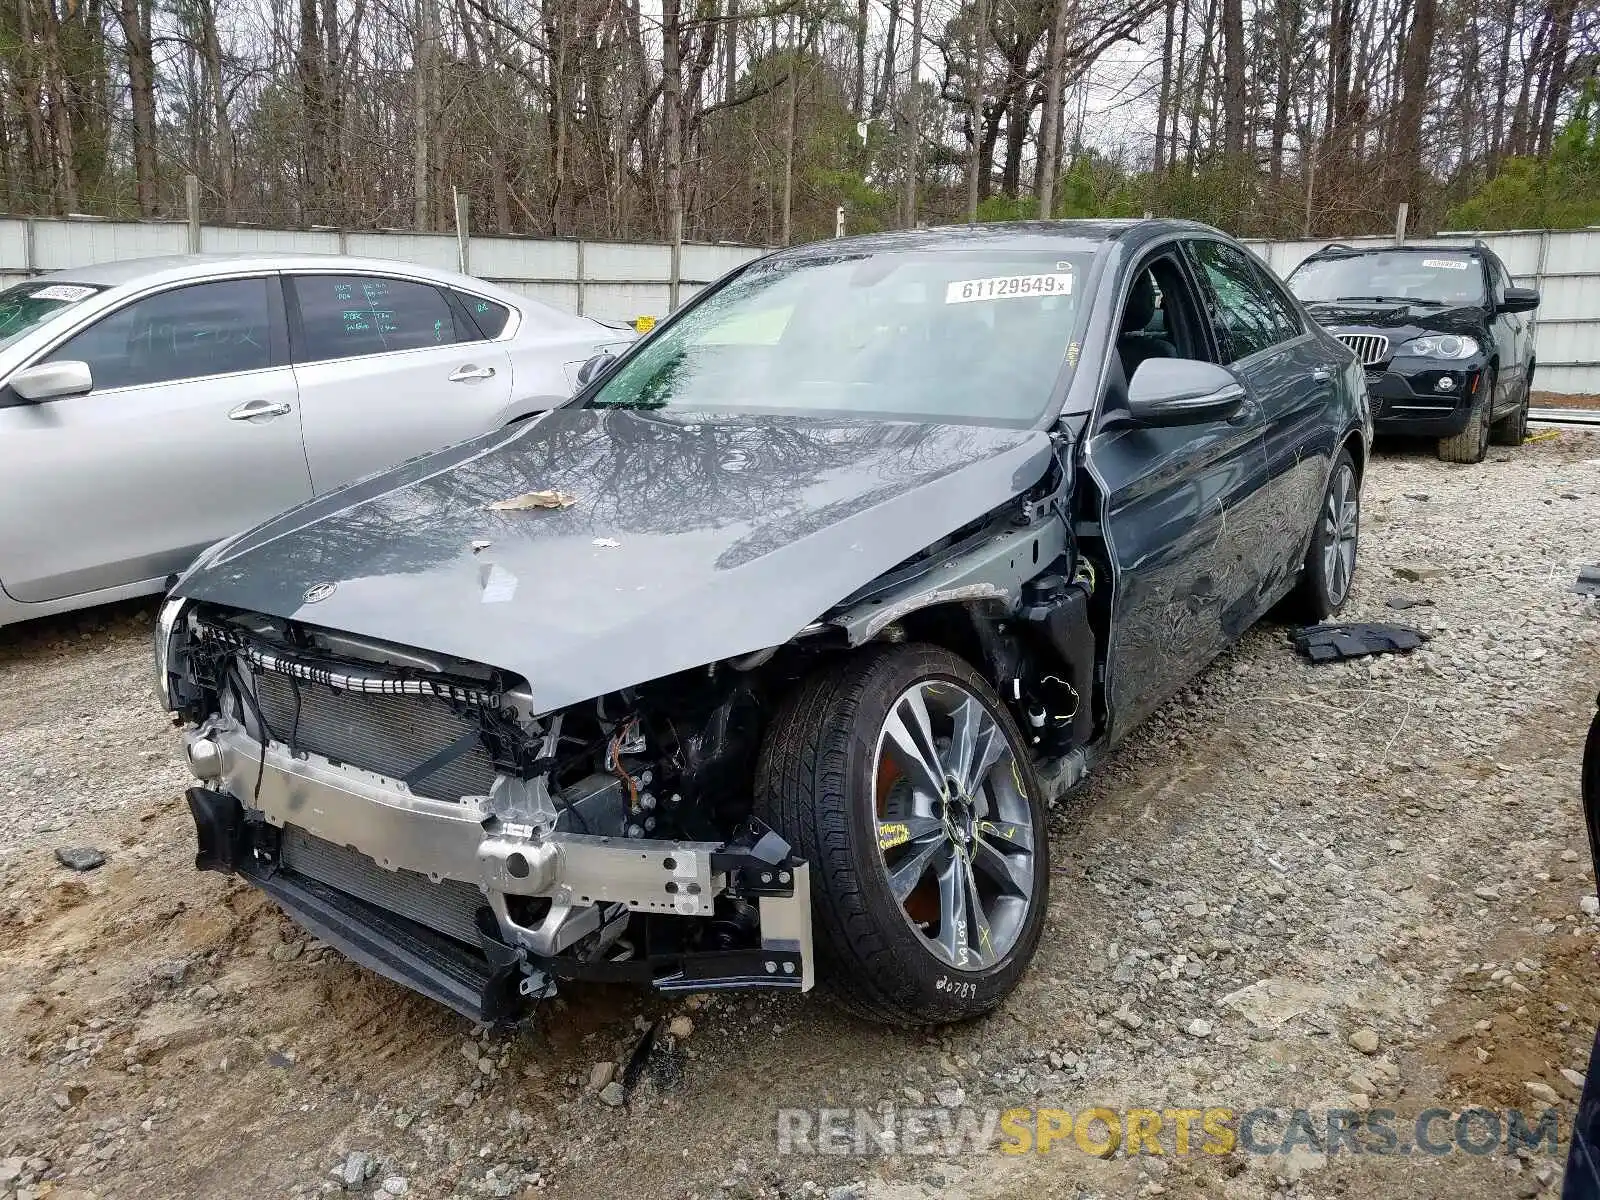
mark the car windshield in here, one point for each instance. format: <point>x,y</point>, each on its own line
<point>1437,277</point>
<point>28,305</point>
<point>965,336</point>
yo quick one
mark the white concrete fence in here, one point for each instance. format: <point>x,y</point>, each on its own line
<point>615,280</point>
<point>623,280</point>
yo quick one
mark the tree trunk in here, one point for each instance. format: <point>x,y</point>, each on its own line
<point>730,53</point>
<point>1502,74</point>
<point>672,136</point>
<point>1287,33</point>
<point>913,130</point>
<point>1407,147</point>
<point>791,114</point>
<point>858,98</point>
<point>422,92</point>
<point>884,96</point>
<point>1555,74</point>
<point>221,127</point>
<point>1050,123</point>
<point>1178,92</point>
<point>1234,69</point>
<point>134,16</point>
<point>314,105</point>
<point>1164,97</point>
<point>975,75</point>
<point>1202,69</point>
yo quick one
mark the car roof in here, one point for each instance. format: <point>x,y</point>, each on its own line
<point>1007,235</point>
<point>169,268</point>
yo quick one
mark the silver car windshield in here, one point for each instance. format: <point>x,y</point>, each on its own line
<point>1442,277</point>
<point>26,306</point>
<point>951,336</point>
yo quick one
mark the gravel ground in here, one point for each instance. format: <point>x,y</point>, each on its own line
<point>1352,886</point>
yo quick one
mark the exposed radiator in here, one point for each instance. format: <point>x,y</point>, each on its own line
<point>1370,348</point>
<point>391,735</point>
<point>449,907</point>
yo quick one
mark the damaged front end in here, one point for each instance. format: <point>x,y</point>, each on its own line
<point>414,811</point>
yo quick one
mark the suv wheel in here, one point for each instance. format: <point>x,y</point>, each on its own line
<point>900,776</point>
<point>1472,443</point>
<point>1513,430</point>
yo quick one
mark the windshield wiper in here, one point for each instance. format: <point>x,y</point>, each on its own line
<point>1384,300</point>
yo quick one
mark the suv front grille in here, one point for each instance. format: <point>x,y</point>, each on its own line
<point>389,735</point>
<point>1370,348</point>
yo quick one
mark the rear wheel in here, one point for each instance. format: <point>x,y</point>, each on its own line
<point>1330,564</point>
<point>1512,430</point>
<point>1472,443</point>
<point>903,780</point>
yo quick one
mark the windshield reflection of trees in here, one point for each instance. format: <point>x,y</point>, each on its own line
<point>632,474</point>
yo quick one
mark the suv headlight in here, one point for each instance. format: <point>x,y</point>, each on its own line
<point>1441,345</point>
<point>166,626</point>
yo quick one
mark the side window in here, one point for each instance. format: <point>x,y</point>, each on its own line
<point>345,316</point>
<point>186,333</point>
<point>1245,314</point>
<point>490,317</point>
<point>1498,281</point>
<point>1285,316</point>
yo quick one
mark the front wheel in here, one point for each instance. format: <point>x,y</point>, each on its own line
<point>1330,565</point>
<point>903,780</point>
<point>1472,443</point>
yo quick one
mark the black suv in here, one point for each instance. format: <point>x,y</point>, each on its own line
<point>1442,333</point>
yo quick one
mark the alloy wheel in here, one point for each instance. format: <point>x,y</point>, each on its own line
<point>954,826</point>
<point>1341,525</point>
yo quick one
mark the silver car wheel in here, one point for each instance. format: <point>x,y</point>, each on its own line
<point>1341,524</point>
<point>954,826</point>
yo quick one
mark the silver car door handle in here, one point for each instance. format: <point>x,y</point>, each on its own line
<point>260,408</point>
<point>469,373</point>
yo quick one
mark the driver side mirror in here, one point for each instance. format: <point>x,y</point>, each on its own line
<point>594,367</point>
<point>1182,391</point>
<point>1519,299</point>
<point>52,380</point>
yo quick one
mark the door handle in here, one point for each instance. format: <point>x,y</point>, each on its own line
<point>260,408</point>
<point>470,374</point>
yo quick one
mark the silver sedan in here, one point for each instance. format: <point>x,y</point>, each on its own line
<point>151,407</point>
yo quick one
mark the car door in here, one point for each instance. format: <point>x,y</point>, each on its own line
<point>1179,516</point>
<point>1511,339</point>
<point>1290,372</point>
<point>388,368</point>
<point>191,432</point>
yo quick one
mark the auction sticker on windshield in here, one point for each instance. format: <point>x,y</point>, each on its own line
<point>1008,287</point>
<point>1449,264</point>
<point>66,292</point>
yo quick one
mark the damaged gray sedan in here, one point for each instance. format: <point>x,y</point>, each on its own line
<point>759,663</point>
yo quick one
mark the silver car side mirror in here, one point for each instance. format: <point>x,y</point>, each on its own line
<point>48,381</point>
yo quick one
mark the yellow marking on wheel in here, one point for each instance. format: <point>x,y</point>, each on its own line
<point>895,833</point>
<point>1017,779</point>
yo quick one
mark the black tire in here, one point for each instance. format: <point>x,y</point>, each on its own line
<point>1512,430</point>
<point>818,783</point>
<point>1472,443</point>
<point>1325,580</point>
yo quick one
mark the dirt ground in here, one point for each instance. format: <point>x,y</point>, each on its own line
<point>1351,887</point>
